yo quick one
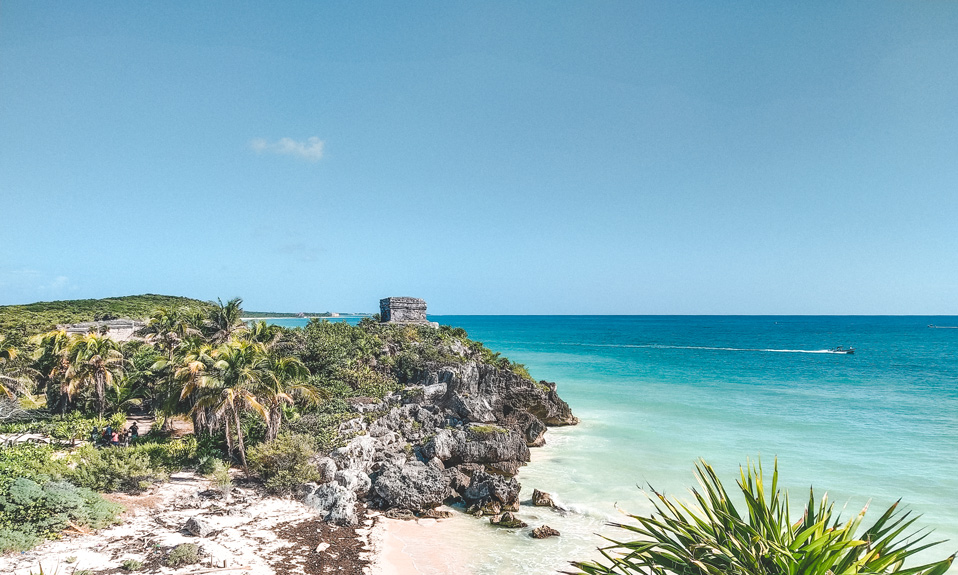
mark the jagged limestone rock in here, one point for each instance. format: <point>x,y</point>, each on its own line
<point>355,481</point>
<point>358,454</point>
<point>542,499</point>
<point>502,449</point>
<point>507,520</point>
<point>325,466</point>
<point>485,487</point>
<point>414,486</point>
<point>333,502</point>
<point>199,527</point>
<point>543,532</point>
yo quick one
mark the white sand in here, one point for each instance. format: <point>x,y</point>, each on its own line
<point>153,523</point>
<point>415,547</point>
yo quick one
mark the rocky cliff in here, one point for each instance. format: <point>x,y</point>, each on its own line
<point>458,433</point>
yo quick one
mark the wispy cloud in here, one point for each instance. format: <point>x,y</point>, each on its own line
<point>310,149</point>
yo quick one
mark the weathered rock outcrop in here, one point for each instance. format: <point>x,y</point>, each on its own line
<point>542,499</point>
<point>543,532</point>
<point>501,448</point>
<point>485,393</point>
<point>460,431</point>
<point>333,502</point>
<point>485,487</point>
<point>507,520</point>
<point>414,486</point>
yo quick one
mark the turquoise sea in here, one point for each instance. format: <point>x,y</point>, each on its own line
<point>655,393</point>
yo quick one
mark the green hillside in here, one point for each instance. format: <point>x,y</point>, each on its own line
<point>43,316</point>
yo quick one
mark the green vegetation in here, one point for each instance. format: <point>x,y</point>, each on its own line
<point>713,537</point>
<point>109,470</point>
<point>183,554</point>
<point>44,316</point>
<point>264,397</point>
<point>32,510</point>
<point>131,565</point>
<point>486,429</point>
<point>283,463</point>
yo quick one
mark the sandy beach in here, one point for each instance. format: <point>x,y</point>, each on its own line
<point>415,547</point>
<point>252,534</point>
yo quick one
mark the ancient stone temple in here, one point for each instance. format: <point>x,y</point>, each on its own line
<point>407,310</point>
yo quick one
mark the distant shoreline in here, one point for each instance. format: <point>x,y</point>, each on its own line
<point>337,316</point>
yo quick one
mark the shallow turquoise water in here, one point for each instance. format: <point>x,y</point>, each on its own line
<point>655,393</point>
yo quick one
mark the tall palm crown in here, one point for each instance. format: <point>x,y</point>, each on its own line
<point>227,387</point>
<point>11,375</point>
<point>284,379</point>
<point>50,363</point>
<point>225,320</point>
<point>168,327</point>
<point>94,361</point>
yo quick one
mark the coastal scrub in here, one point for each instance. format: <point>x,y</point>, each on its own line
<point>713,537</point>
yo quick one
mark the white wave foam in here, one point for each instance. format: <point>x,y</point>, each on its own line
<point>663,346</point>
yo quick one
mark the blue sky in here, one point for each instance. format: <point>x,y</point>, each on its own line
<point>516,158</point>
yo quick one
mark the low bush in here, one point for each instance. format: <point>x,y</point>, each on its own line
<point>115,469</point>
<point>183,554</point>
<point>283,464</point>
<point>37,462</point>
<point>31,511</point>
<point>67,427</point>
<point>322,427</point>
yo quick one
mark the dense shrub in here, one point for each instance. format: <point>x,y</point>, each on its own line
<point>73,425</point>
<point>30,511</point>
<point>37,462</point>
<point>175,454</point>
<point>283,464</point>
<point>322,427</point>
<point>183,554</point>
<point>116,469</point>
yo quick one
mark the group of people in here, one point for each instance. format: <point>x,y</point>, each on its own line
<point>114,438</point>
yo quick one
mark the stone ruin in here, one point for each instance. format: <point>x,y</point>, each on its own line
<point>404,310</point>
<point>119,330</point>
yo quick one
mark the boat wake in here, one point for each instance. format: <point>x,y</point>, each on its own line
<point>695,347</point>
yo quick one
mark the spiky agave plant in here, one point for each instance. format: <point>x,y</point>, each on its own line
<point>712,537</point>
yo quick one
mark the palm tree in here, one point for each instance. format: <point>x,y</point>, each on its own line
<point>169,329</point>
<point>227,388</point>
<point>124,394</point>
<point>94,361</point>
<point>283,380</point>
<point>12,376</point>
<point>50,364</point>
<point>192,376</point>
<point>225,320</point>
<point>264,333</point>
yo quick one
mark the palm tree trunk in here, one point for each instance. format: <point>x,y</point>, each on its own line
<point>239,440</point>
<point>229,438</point>
<point>274,422</point>
<point>100,393</point>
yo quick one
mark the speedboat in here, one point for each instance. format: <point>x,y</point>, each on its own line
<point>845,350</point>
